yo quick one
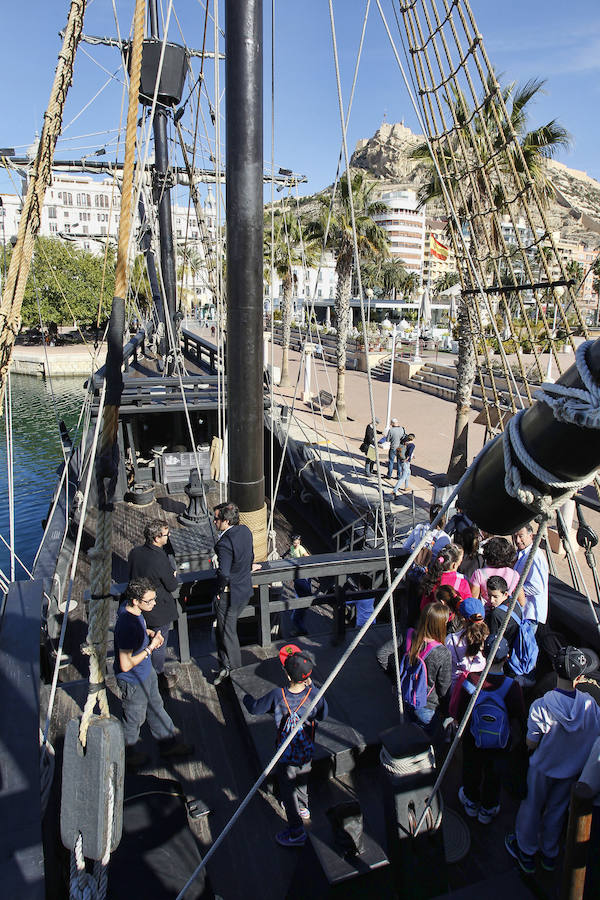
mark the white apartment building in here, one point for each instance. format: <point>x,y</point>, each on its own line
<point>405,227</point>
<point>85,211</point>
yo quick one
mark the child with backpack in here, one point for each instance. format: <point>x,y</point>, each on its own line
<point>487,738</point>
<point>523,648</point>
<point>425,670</point>
<point>561,730</point>
<point>288,704</point>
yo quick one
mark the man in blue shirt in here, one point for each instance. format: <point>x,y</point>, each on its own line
<point>536,582</point>
<point>137,679</point>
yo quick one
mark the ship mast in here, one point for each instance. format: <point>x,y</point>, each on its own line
<point>244,215</point>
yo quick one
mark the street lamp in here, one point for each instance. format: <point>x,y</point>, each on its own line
<point>558,294</point>
<point>417,357</point>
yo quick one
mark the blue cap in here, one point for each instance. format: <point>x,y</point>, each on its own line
<point>470,608</point>
<point>503,648</point>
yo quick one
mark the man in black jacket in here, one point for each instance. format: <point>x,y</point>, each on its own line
<point>150,560</point>
<point>235,556</point>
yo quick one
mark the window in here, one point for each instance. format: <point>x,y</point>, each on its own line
<point>84,229</point>
<point>53,227</point>
<point>66,214</point>
<point>68,229</point>
<point>103,229</point>
<point>51,212</point>
<point>67,198</point>
<point>84,200</point>
<point>101,201</point>
<point>320,293</point>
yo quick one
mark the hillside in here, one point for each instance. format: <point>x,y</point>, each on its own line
<point>575,210</point>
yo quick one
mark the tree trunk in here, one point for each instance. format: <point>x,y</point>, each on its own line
<point>342,308</point>
<point>286,324</point>
<point>465,377</point>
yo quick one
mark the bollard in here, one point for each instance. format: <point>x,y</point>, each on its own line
<point>577,845</point>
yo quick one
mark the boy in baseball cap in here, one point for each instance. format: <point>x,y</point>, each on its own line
<point>288,705</point>
<point>561,729</point>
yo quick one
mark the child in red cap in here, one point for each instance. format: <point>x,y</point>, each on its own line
<point>288,704</point>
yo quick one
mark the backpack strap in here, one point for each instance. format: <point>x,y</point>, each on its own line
<point>504,688</point>
<point>409,636</point>
<point>513,614</point>
<point>303,701</point>
<point>428,648</point>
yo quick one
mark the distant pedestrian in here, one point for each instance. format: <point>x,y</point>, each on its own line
<point>288,705</point>
<point>561,730</point>
<point>393,436</point>
<point>404,455</point>
<point>369,448</point>
<point>137,680</point>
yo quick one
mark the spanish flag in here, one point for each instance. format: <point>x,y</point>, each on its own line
<point>437,249</point>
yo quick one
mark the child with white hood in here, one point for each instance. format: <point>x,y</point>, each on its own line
<point>561,729</point>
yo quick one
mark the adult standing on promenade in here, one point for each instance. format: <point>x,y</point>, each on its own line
<point>235,555</point>
<point>394,435</point>
<point>150,560</point>
<point>368,442</point>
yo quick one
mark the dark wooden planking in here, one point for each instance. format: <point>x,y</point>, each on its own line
<point>21,852</point>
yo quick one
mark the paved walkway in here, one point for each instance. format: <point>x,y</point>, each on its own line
<point>430,418</point>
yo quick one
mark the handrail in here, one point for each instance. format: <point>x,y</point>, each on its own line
<point>129,350</point>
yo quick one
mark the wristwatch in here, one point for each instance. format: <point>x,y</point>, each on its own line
<point>148,652</point>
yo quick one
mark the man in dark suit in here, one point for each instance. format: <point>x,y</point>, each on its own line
<point>150,560</point>
<point>235,556</point>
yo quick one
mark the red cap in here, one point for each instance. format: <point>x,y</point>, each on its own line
<point>286,651</point>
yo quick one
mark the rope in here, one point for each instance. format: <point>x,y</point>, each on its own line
<point>108,460</point>
<point>577,406</point>
<point>540,503</point>
<point>29,222</point>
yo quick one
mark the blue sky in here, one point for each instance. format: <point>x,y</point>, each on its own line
<point>539,38</point>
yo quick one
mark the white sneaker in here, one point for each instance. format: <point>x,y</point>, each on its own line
<point>485,816</point>
<point>471,808</point>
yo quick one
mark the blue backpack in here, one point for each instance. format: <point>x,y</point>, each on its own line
<point>413,676</point>
<point>524,653</point>
<point>490,725</point>
<point>302,748</point>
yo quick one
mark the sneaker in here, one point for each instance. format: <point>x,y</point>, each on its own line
<point>304,812</point>
<point>176,748</point>
<point>221,677</point>
<point>471,808</point>
<point>485,816</point>
<point>548,862</point>
<point>289,838</point>
<point>526,862</point>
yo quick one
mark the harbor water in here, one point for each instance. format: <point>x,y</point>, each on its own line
<point>38,405</point>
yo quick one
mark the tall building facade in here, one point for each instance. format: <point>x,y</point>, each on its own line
<point>404,224</point>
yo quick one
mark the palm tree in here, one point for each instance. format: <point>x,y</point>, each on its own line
<point>290,249</point>
<point>393,276</point>
<point>483,133</point>
<point>372,241</point>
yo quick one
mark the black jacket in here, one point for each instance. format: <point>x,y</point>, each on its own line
<point>149,561</point>
<point>235,552</point>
